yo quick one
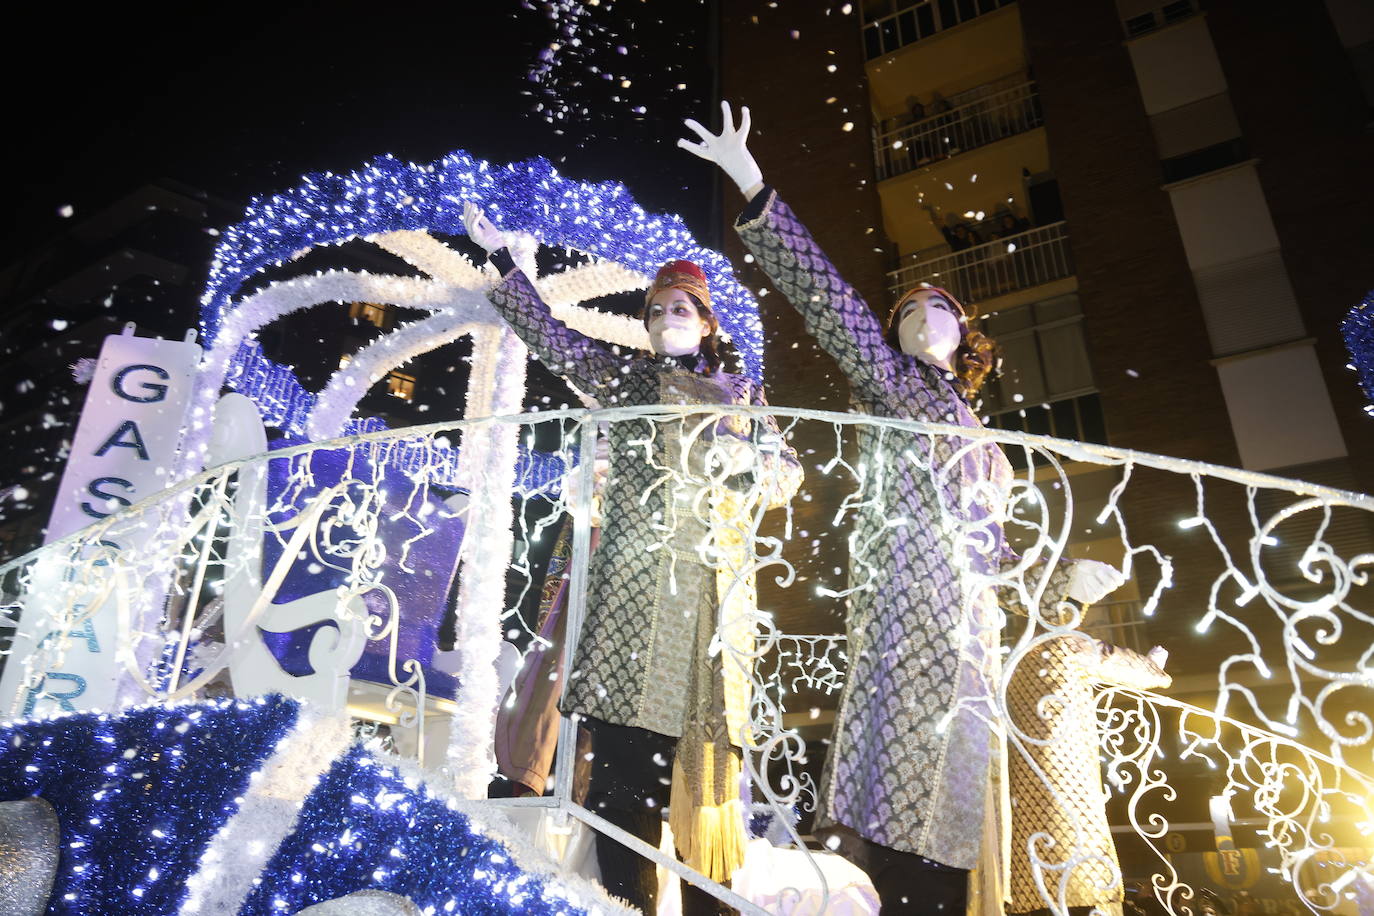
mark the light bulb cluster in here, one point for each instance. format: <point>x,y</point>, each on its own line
<point>388,195</point>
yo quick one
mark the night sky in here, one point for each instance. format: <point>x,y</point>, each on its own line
<point>241,100</point>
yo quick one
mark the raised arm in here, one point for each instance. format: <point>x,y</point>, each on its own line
<point>1083,581</point>
<point>1120,667</point>
<point>578,358</point>
<point>835,314</point>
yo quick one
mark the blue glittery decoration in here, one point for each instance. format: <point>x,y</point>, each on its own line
<point>387,195</point>
<point>1358,331</point>
<point>139,796</point>
<point>419,565</point>
<point>364,827</point>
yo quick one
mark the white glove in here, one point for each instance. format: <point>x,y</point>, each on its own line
<point>723,456</point>
<point>480,229</point>
<point>728,150</point>
<point>738,455</point>
<point>1091,580</point>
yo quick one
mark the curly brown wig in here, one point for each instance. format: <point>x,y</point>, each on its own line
<point>711,344</point>
<point>977,353</point>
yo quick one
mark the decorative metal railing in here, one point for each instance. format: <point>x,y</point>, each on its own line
<point>988,119</point>
<point>995,268</point>
<point>310,570</point>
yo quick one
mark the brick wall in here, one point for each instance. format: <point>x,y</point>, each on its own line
<point>1296,96</point>
<point>1141,310</point>
<point>826,175</point>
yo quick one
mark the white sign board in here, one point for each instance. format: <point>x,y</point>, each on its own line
<point>124,450</point>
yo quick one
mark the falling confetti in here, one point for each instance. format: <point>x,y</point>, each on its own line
<point>595,70</point>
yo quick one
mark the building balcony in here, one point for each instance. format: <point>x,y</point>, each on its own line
<point>977,123</point>
<point>1027,259</point>
<point>893,24</point>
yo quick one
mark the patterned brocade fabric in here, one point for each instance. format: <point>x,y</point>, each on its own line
<point>908,763</point>
<point>1056,777</point>
<point>647,581</point>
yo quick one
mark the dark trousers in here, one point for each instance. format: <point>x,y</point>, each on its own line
<point>632,773</point>
<point>907,884</point>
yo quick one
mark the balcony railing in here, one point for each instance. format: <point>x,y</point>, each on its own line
<point>994,268</point>
<point>321,570</point>
<point>989,119</point>
<point>907,23</point>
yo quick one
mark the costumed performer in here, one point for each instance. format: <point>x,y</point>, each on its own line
<point>905,780</point>
<point>666,576</point>
<point>1056,777</point>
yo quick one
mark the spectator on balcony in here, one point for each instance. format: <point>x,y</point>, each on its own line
<point>915,110</point>
<point>959,237</point>
<point>919,141</point>
<point>664,705</point>
<point>1009,224</point>
<point>1009,268</point>
<point>948,139</point>
<point>904,789</point>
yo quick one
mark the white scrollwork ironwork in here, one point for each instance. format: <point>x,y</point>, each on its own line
<point>1260,584</point>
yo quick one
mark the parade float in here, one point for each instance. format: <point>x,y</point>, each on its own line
<point>245,580</point>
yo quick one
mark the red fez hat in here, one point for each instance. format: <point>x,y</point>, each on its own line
<point>683,275</point>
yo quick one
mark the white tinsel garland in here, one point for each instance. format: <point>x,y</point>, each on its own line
<point>278,300</point>
<point>426,253</point>
<point>248,840</point>
<point>488,453</point>
<point>338,401</point>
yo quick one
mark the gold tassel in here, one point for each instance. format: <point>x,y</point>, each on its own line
<point>710,838</point>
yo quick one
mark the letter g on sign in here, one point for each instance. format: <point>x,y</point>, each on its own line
<point>151,391</point>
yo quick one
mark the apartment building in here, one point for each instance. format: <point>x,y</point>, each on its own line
<point>1153,206</point>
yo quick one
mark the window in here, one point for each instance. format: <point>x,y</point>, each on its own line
<point>371,312</point>
<point>1046,386</point>
<point>400,385</point>
<point>1140,17</point>
<point>1139,25</point>
<point>892,24</point>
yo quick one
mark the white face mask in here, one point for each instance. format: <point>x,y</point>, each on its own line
<point>675,326</point>
<point>929,333</point>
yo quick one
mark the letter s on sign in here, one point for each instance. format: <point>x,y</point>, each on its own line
<point>152,392</point>
<point>94,489</point>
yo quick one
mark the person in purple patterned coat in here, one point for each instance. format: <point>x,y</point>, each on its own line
<point>904,783</point>
<point>665,711</point>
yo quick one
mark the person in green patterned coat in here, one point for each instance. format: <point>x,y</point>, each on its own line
<point>904,783</point>
<point>679,495</point>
